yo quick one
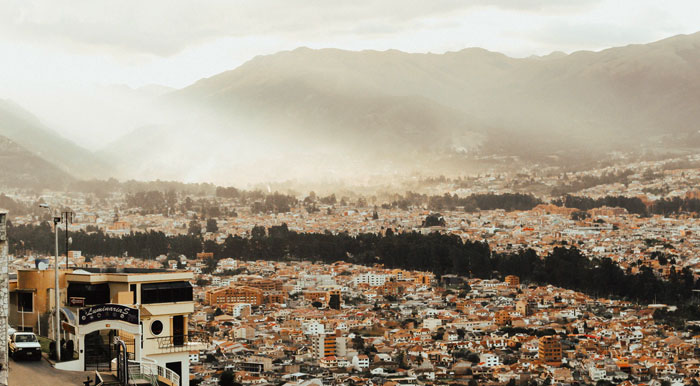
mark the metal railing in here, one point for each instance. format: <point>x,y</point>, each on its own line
<point>180,343</point>
<point>98,379</point>
<point>150,371</point>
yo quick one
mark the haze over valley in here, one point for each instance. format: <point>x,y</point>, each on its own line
<point>338,115</point>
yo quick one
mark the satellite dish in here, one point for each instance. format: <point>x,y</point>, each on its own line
<point>42,264</point>
<point>70,241</point>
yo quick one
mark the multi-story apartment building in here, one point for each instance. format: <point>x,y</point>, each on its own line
<point>512,280</point>
<point>502,318</point>
<point>550,349</point>
<point>374,280</point>
<point>235,294</point>
<point>329,345</point>
<point>526,307</point>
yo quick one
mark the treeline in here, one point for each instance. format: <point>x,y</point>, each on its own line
<point>586,181</point>
<point>25,239</point>
<point>471,203</point>
<point>435,252</point>
<point>569,268</point>
<point>634,205</point>
<point>675,205</point>
<point>168,203</point>
<point>104,188</point>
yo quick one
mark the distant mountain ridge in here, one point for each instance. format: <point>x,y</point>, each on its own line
<point>22,169</point>
<point>25,130</point>
<point>340,112</point>
<point>649,89</point>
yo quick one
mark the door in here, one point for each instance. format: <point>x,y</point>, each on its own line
<point>178,330</point>
<point>99,351</point>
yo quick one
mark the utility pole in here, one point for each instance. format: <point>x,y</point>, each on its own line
<point>57,290</point>
<point>67,216</point>
<point>57,297</point>
<point>4,299</point>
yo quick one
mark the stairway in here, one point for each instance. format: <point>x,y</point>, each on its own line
<point>109,380</point>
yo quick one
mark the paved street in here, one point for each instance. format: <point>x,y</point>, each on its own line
<point>40,373</point>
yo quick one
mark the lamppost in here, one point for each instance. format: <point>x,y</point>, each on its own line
<point>57,299</point>
<point>4,299</point>
<point>67,216</point>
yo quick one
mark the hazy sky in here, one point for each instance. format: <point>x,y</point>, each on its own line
<point>53,49</point>
<point>170,42</point>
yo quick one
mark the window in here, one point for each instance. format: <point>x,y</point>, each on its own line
<point>168,292</point>
<point>156,327</point>
<point>25,302</point>
<point>93,293</point>
<point>25,338</point>
<point>132,288</point>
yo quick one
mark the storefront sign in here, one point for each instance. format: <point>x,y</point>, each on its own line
<point>108,312</point>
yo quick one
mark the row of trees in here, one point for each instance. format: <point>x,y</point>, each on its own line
<point>489,201</point>
<point>664,206</point>
<point>632,204</point>
<point>471,203</point>
<point>587,181</point>
<point>435,252</point>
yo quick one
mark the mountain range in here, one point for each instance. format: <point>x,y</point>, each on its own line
<point>331,113</point>
<point>34,153</point>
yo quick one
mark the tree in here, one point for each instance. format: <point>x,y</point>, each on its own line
<point>212,226</point>
<point>432,220</point>
<point>227,379</point>
<point>195,228</point>
<point>358,343</point>
<point>473,358</point>
<point>258,232</point>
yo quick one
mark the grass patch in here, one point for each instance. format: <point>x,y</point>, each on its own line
<point>44,343</point>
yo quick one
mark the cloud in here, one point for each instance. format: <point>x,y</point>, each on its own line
<point>167,27</point>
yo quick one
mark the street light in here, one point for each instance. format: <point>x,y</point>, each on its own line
<point>68,217</point>
<point>57,299</point>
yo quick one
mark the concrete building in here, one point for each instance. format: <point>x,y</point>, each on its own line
<point>512,280</point>
<point>550,349</point>
<point>234,294</point>
<point>329,345</point>
<point>147,309</point>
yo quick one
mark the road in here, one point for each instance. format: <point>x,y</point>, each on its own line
<point>41,373</point>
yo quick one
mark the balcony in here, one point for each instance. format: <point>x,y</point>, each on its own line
<point>180,343</point>
<point>151,372</point>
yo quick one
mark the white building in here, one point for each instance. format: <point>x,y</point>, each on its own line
<point>374,280</point>
<point>490,360</point>
<point>239,309</point>
<point>314,328</point>
<point>149,310</point>
<point>360,362</point>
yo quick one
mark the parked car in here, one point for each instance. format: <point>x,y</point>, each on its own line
<point>24,345</point>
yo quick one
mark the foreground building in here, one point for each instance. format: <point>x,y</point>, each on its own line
<point>147,310</point>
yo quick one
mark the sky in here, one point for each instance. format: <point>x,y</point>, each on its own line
<point>55,52</point>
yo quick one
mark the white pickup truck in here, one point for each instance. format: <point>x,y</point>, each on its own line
<point>24,344</point>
